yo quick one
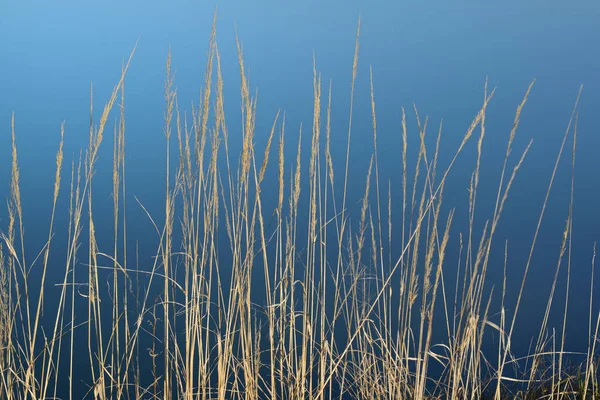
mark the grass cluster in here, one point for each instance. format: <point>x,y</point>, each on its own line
<point>339,316</point>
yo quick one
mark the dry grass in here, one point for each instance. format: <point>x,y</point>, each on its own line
<point>338,318</point>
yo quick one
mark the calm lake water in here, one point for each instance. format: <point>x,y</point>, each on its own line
<point>436,55</point>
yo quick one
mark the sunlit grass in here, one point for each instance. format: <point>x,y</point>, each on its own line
<point>339,316</point>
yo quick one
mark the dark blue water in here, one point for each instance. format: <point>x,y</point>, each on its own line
<point>435,55</point>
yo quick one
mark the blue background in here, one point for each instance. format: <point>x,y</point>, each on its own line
<point>436,54</point>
